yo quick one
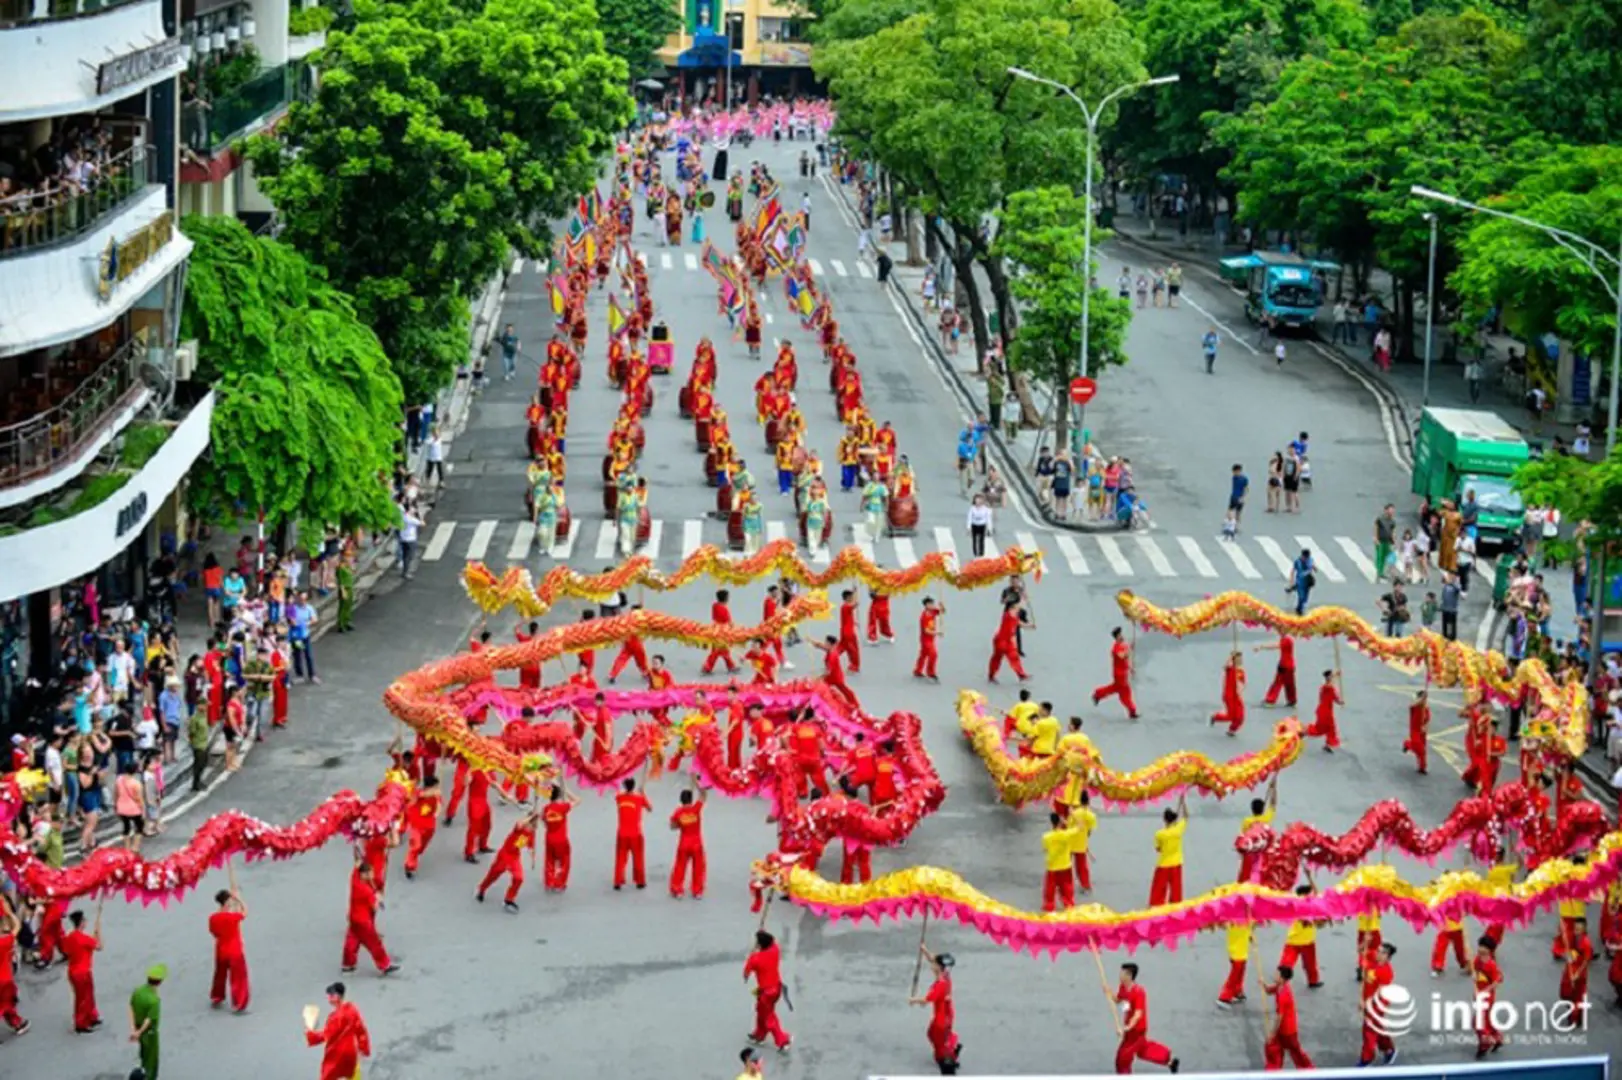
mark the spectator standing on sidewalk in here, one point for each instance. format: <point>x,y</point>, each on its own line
<point>197,737</point>
<point>1450,607</point>
<point>996,394</point>
<point>1385,539</point>
<point>1174,284</point>
<point>410,522</point>
<point>509,353</point>
<point>301,619</point>
<point>1339,331</point>
<point>1044,475</point>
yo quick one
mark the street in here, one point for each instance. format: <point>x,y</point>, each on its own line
<point>598,984</point>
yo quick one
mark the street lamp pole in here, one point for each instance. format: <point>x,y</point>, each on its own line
<point>1590,255</point>
<point>1430,314</point>
<point>1091,115</point>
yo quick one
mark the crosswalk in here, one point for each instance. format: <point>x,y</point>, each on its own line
<point>1107,556</point>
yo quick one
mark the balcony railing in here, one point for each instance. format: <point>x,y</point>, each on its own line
<point>35,447</point>
<point>64,212</point>
<point>19,12</point>
<point>210,126</point>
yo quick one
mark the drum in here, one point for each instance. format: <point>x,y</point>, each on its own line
<point>532,441</point>
<point>639,437</point>
<point>827,529</point>
<point>616,371</point>
<point>903,515</point>
<point>735,530</point>
<point>647,399</point>
<point>701,428</point>
<point>723,500</point>
<point>835,371</point>
<point>608,468</point>
<point>574,373</point>
<point>712,468</point>
<point>644,526</point>
<point>529,503</point>
<point>684,401</point>
<point>564,524</point>
<point>611,498</point>
<point>772,428</point>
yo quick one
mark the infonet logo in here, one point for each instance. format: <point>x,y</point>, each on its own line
<point>1394,1012</point>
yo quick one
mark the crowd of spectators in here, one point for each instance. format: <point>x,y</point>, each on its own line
<point>40,187</point>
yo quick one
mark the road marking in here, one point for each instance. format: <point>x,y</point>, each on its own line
<point>691,260</point>
<point>816,268</point>
<point>1072,555</point>
<point>481,539</point>
<point>1233,335</point>
<point>1112,554</point>
<point>1273,551</point>
<point>768,316</point>
<point>1355,553</point>
<point>905,555</point>
<point>1157,558</point>
<point>863,542</point>
<point>821,557</point>
<point>943,537</point>
<point>1240,560</point>
<point>656,533</point>
<point>564,548</point>
<point>607,533</point>
<point>861,268</point>
<point>664,260</point>
<point>839,267</point>
<point>1191,548</point>
<point>439,541</point>
<point>1027,542</point>
<point>1320,561</point>
<point>521,542</point>
<point>692,538</point>
<point>517,267</point>
<point>775,531</point>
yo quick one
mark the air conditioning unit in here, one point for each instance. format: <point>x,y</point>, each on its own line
<point>185,360</point>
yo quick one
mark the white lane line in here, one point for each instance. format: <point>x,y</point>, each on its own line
<point>481,539</point>
<point>439,541</point>
<point>1355,553</point>
<point>775,531</point>
<point>906,556</point>
<point>563,549</point>
<point>821,556</point>
<point>1112,554</point>
<point>1240,560</point>
<point>816,268</point>
<point>1073,557</point>
<point>517,267</point>
<point>656,534</point>
<point>1157,558</point>
<point>944,542</point>
<point>1275,553</point>
<point>664,260</point>
<point>1192,549</point>
<point>1232,334</point>
<point>768,316</point>
<point>861,268</point>
<point>839,267</point>
<point>692,538</point>
<point>607,533</point>
<point>1027,542</point>
<point>690,260</point>
<point>864,543</point>
<point>522,540</point>
<point>1320,561</point>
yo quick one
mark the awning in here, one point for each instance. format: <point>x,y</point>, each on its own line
<point>709,50</point>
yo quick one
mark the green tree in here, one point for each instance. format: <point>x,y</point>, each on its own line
<point>1574,82</point>
<point>1545,287</point>
<point>634,30</point>
<point>307,407</point>
<point>1041,234</point>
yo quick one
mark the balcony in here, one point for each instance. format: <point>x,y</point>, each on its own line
<point>22,12</point>
<point>48,449</point>
<point>34,221</point>
<point>61,57</point>
<point>210,127</point>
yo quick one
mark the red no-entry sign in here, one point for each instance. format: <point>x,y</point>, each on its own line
<point>1082,390</point>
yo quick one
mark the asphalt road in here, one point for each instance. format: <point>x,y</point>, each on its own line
<point>599,984</point>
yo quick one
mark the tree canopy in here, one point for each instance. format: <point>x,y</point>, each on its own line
<point>634,30</point>
<point>307,407</point>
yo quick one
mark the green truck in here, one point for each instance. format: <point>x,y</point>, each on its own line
<point>1460,450</point>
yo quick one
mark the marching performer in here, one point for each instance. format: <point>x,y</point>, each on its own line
<point>1120,684</point>
<point>942,1038</point>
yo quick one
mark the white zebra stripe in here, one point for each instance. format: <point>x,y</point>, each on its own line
<point>439,541</point>
<point>1192,549</point>
<point>482,532</point>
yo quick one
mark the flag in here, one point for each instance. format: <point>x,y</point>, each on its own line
<point>796,238</point>
<point>616,317</point>
<point>577,229</point>
<point>766,215</point>
<point>718,267</point>
<point>792,290</point>
<point>588,248</point>
<point>591,205</point>
<point>559,289</point>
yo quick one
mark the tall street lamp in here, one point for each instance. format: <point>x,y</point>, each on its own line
<point>1590,255</point>
<point>1092,116</point>
<point>1430,313</point>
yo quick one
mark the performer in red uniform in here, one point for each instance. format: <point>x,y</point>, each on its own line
<point>80,949</point>
<point>1120,684</point>
<point>631,650</point>
<point>763,658</point>
<point>884,789</point>
<point>478,817</point>
<point>555,857</point>
<point>1477,736</point>
<point>1574,975</point>
<point>859,766</point>
<point>1377,975</point>
<point>1005,644</point>
<point>422,821</point>
<point>230,956</point>
<point>765,964</point>
<point>687,821</point>
<point>1323,721</point>
<point>806,739</point>
<point>849,638</point>
<point>856,858</point>
<point>529,675</point>
<point>278,687</point>
<point>1286,1035</point>
<point>1135,1041</point>
<point>362,932</point>
<point>737,727</point>
<point>1284,675</point>
<point>588,657</point>
<point>1488,978</point>
<point>773,601</point>
<point>659,678</point>
<point>721,615</point>
<point>1419,722</point>
<point>878,618</point>
<point>942,1039</point>
<point>344,1038</point>
<point>833,673</point>
<point>1233,694</point>
<point>629,842</point>
<point>10,924</point>
<point>49,938</point>
<point>929,632</point>
<point>510,861</point>
<point>376,849</point>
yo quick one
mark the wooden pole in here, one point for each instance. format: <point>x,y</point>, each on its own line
<point>231,875</point>
<point>1340,683</point>
<point>766,908</point>
<point>1109,995</point>
<point>918,968</point>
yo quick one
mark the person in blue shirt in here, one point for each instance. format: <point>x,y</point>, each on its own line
<point>1302,579</point>
<point>300,622</point>
<point>1236,494</point>
<point>1127,504</point>
<point>1208,346</point>
<point>968,449</point>
<point>172,712</point>
<point>234,588</point>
